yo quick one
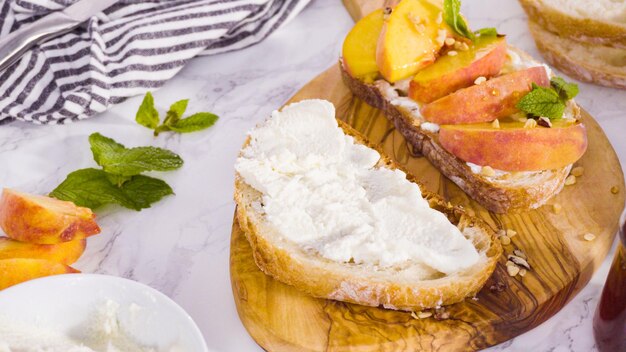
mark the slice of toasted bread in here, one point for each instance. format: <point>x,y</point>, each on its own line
<point>404,287</point>
<point>595,63</point>
<point>595,22</point>
<point>512,192</point>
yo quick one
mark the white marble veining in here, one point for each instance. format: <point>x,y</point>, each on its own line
<point>181,245</point>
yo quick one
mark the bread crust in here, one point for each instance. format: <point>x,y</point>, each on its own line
<point>349,282</point>
<point>579,69</point>
<point>496,198</point>
<point>584,30</point>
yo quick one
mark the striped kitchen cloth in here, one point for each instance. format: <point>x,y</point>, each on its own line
<point>132,47</point>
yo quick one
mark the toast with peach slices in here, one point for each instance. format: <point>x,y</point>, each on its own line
<point>458,106</point>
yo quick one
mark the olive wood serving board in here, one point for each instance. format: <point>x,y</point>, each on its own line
<point>281,318</point>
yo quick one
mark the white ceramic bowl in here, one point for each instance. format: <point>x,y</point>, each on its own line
<point>65,302</point>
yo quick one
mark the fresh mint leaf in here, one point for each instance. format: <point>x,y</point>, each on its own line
<point>195,122</point>
<point>119,160</point>
<point>564,89</point>
<point>541,101</point>
<point>144,190</point>
<point>452,16</point>
<point>147,115</point>
<point>486,32</point>
<point>118,180</point>
<point>91,188</point>
<point>176,112</point>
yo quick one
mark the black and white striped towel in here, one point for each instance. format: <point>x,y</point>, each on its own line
<point>132,47</point>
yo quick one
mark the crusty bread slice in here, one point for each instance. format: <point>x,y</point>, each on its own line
<point>410,286</point>
<point>512,192</point>
<point>595,63</point>
<point>597,21</point>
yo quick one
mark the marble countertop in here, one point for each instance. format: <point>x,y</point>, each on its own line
<point>180,246</point>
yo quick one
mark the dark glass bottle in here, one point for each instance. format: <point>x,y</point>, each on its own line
<point>609,324</point>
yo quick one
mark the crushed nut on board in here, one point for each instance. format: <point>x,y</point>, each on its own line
<point>505,240</point>
<point>557,208</point>
<point>519,261</point>
<point>577,171</point>
<point>511,233</point>
<point>520,253</point>
<point>589,237</point>
<point>487,171</point>
<point>512,270</point>
<point>522,272</point>
<point>614,190</point>
<point>570,180</point>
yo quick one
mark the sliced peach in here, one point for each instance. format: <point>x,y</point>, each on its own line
<point>410,39</point>
<point>44,220</point>
<point>65,253</point>
<point>485,102</point>
<point>484,58</point>
<point>359,47</point>
<point>515,148</point>
<point>15,271</point>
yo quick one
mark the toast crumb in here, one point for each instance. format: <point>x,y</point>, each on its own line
<point>570,180</point>
<point>577,171</point>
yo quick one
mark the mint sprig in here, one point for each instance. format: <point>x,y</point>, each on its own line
<point>148,116</point>
<point>550,101</point>
<point>120,180</point>
<point>453,18</point>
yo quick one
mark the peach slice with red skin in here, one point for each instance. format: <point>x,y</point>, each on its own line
<point>485,102</point>
<point>484,58</point>
<point>359,47</point>
<point>44,220</point>
<point>410,39</point>
<point>515,148</point>
<point>15,271</point>
<point>65,253</point>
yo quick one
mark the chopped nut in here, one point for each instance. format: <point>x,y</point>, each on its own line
<point>520,253</point>
<point>570,180</point>
<point>487,171</point>
<point>450,41</point>
<point>441,37</point>
<point>522,272</point>
<point>557,208</point>
<point>569,119</point>
<point>577,171</point>
<point>511,233</point>
<point>530,123</point>
<point>614,190</point>
<point>452,53</point>
<point>519,261</point>
<point>464,46</point>
<point>544,121</point>
<point>414,316</point>
<point>512,270</point>
<point>425,314</point>
<point>441,314</point>
<point>505,240</point>
<point>510,263</point>
<point>589,237</point>
<point>479,80</point>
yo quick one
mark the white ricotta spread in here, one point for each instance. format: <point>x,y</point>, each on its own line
<point>101,333</point>
<point>324,192</point>
<point>516,63</point>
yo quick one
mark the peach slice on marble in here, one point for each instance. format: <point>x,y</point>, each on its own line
<point>65,253</point>
<point>485,102</point>
<point>18,270</point>
<point>512,147</point>
<point>44,220</point>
